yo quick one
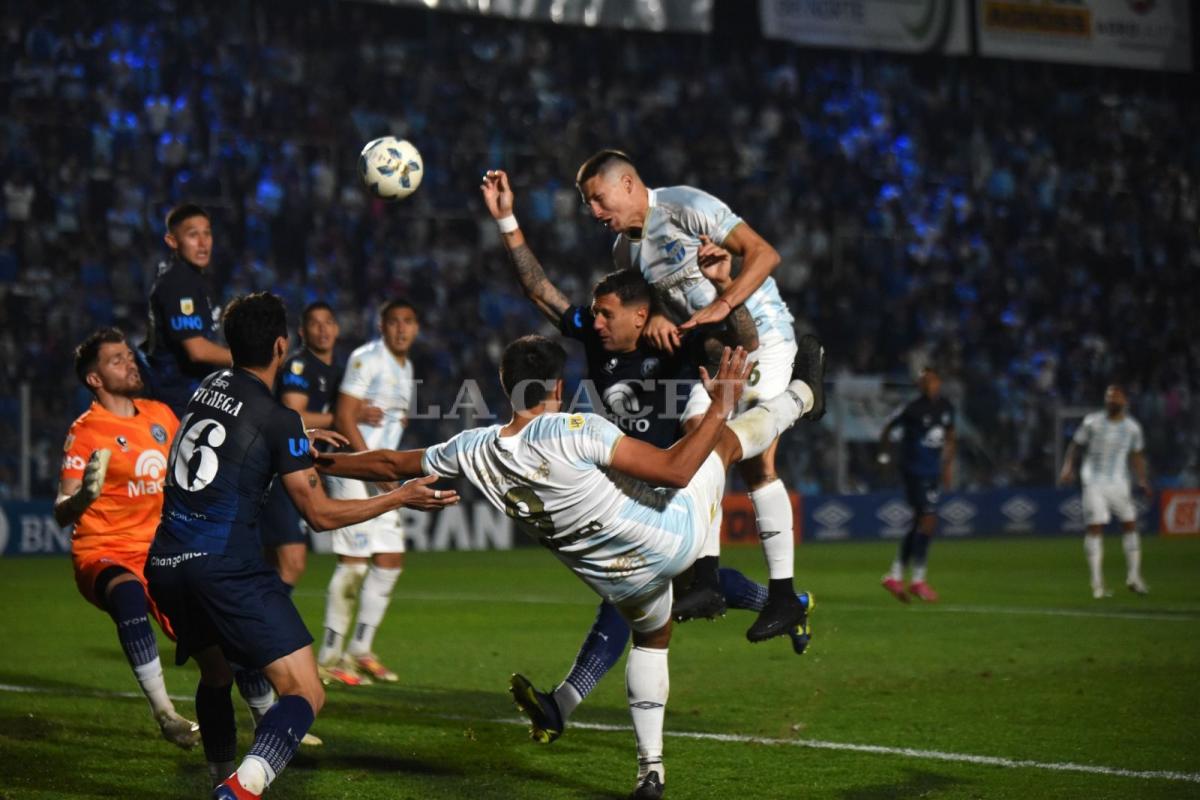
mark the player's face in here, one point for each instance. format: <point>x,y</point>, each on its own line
<point>618,325</point>
<point>117,370</point>
<point>399,329</point>
<point>320,331</point>
<point>612,201</point>
<point>192,240</point>
<point>1114,400</point>
<point>930,383</point>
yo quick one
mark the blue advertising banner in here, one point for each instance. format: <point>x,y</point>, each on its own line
<point>1001,512</point>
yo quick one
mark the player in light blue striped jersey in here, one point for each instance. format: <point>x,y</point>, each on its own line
<point>1111,442</point>
<point>671,235</point>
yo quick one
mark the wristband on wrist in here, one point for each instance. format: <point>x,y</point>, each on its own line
<point>507,224</point>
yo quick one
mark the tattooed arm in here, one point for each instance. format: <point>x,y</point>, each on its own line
<point>498,196</point>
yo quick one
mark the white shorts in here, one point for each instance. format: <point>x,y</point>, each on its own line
<point>770,377</point>
<point>1102,501</point>
<point>650,608</point>
<point>383,534</point>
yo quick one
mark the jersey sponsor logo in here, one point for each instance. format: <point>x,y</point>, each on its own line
<point>149,471</point>
<point>624,407</point>
<point>934,438</point>
<point>188,323</point>
<point>71,462</point>
<point>578,318</point>
<point>187,306</point>
<point>295,380</point>
<point>298,447</point>
<point>159,432</point>
<point>575,422</point>
<point>194,461</point>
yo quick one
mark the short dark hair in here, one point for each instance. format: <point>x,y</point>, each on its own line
<point>600,162</point>
<point>87,354</point>
<point>627,284</point>
<point>252,324</point>
<point>185,211</point>
<point>318,305</point>
<point>397,302</point>
<point>531,364</point>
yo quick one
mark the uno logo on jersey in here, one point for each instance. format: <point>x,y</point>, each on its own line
<point>187,323</point>
<point>149,471</point>
<point>193,459</point>
<point>298,447</point>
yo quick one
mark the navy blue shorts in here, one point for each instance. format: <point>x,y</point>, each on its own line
<point>241,606</point>
<point>923,493</point>
<point>279,521</point>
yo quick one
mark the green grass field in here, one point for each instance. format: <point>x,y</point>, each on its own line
<point>1016,663</point>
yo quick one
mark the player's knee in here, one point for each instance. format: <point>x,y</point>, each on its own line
<point>388,560</point>
<point>756,472</point>
<point>658,639</point>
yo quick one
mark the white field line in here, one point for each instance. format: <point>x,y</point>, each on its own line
<point>1164,615</point>
<point>737,738</point>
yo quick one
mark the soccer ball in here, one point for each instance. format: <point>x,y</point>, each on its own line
<point>390,168</point>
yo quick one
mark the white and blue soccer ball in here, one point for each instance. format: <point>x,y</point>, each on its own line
<point>391,168</point>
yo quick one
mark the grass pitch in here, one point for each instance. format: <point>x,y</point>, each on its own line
<point>1025,687</point>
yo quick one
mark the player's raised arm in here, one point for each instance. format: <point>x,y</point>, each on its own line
<point>76,494</point>
<point>298,402</point>
<point>739,330</point>
<point>759,260</point>
<point>372,465</point>
<point>324,513</point>
<point>675,466</point>
<point>498,197</point>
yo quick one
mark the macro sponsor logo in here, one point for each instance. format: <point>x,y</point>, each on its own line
<point>149,471</point>
<point>73,462</point>
<point>958,515</point>
<point>1019,511</point>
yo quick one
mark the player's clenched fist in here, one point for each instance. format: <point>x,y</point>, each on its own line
<point>94,472</point>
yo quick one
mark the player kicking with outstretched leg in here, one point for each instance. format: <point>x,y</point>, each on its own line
<point>206,568</point>
<point>587,492</point>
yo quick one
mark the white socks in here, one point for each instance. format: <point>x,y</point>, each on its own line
<point>761,425</point>
<point>1132,543</point>
<point>647,683</point>
<point>773,514</point>
<point>373,602</point>
<point>255,774</point>
<point>1093,546</point>
<point>567,698</point>
<point>150,678</point>
<point>339,604</point>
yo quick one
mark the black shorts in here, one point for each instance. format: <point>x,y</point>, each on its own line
<point>924,493</point>
<point>241,606</point>
<point>279,521</point>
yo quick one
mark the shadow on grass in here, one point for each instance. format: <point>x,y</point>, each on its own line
<point>916,784</point>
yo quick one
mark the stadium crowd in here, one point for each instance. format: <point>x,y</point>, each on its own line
<point>1029,229</point>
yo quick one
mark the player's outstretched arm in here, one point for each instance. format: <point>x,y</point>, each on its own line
<point>76,494</point>
<point>298,402</point>
<point>499,198</point>
<point>675,466</point>
<point>759,260</point>
<point>324,513</point>
<point>201,351</point>
<point>372,465</point>
<point>738,329</point>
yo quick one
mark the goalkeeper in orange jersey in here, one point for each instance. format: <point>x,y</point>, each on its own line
<point>110,489</point>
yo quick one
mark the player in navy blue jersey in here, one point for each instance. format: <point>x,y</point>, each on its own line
<point>643,391</point>
<point>182,346</point>
<point>307,384</point>
<point>926,461</point>
<point>206,569</point>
